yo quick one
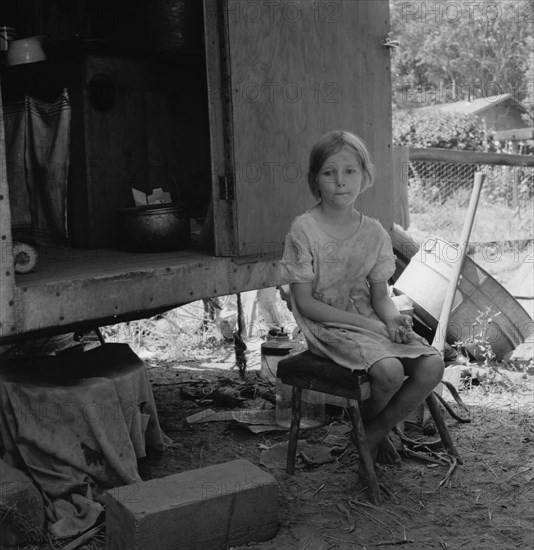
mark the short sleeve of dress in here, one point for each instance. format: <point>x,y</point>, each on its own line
<point>385,263</point>
<point>297,265</point>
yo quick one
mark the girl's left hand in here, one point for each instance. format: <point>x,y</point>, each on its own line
<point>400,329</point>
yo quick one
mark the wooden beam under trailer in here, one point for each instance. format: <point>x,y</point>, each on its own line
<point>74,289</point>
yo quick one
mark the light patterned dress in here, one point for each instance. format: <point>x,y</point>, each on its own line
<point>340,271</point>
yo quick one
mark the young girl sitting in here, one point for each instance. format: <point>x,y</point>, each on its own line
<point>338,262</point>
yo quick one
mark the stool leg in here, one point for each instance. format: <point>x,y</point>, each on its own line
<point>368,466</point>
<point>435,411</point>
<point>294,430</point>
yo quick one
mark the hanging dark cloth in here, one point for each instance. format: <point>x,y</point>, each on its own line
<point>38,156</point>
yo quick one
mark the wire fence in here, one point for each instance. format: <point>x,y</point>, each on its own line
<point>438,192</point>
<point>439,182</point>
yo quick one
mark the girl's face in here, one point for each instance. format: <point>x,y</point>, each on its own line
<point>340,179</point>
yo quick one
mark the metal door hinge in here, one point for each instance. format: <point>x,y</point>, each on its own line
<point>391,44</point>
<point>226,187</point>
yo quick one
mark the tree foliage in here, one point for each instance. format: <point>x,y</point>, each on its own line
<point>462,49</point>
<point>424,128</point>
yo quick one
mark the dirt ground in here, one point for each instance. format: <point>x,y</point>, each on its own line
<point>486,504</point>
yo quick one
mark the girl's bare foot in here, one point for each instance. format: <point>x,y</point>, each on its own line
<point>386,452</point>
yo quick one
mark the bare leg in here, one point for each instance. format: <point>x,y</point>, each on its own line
<point>387,377</point>
<point>423,373</point>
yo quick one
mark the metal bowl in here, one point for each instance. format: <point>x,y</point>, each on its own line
<point>153,228</point>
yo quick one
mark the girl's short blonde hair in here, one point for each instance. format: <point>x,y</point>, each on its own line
<point>329,145</point>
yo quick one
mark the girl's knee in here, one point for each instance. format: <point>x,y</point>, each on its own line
<point>431,369</point>
<point>437,366</point>
<point>387,375</point>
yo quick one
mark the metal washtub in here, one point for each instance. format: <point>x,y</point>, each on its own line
<point>425,281</point>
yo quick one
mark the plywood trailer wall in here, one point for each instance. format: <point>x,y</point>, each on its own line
<point>295,70</point>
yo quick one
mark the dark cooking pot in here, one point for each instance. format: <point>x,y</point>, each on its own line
<point>153,228</point>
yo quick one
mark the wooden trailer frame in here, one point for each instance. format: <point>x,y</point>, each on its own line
<point>336,51</point>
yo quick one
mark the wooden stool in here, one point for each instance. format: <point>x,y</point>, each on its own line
<point>311,372</point>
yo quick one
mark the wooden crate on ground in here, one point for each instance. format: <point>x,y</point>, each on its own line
<point>209,508</point>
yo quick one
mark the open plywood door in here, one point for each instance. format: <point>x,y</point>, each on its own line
<point>290,71</point>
